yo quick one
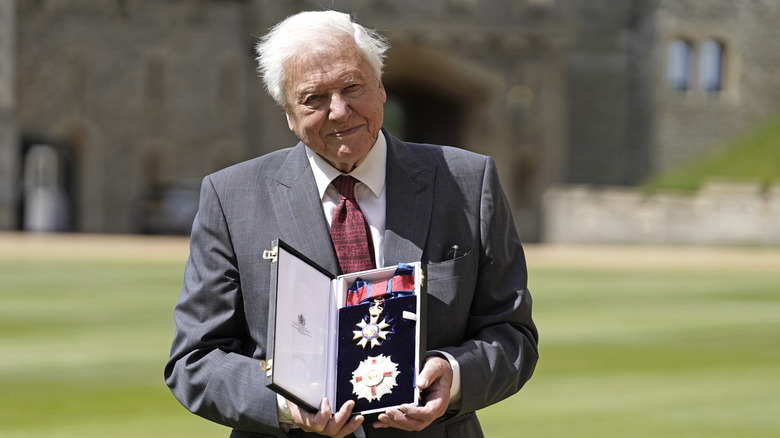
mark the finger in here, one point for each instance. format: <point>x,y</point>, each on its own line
<point>343,414</point>
<point>397,419</point>
<point>314,422</point>
<point>432,370</point>
<point>322,417</point>
<point>340,424</point>
<point>427,375</point>
<point>416,412</point>
<point>325,408</point>
<point>296,412</point>
<point>350,426</point>
<point>411,415</point>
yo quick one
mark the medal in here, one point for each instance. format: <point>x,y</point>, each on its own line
<point>373,330</point>
<point>374,377</point>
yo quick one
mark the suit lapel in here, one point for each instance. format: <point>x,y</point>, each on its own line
<point>409,203</point>
<point>298,209</point>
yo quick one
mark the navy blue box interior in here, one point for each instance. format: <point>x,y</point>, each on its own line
<point>400,346</point>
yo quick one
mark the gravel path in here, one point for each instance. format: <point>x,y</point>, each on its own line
<point>168,248</point>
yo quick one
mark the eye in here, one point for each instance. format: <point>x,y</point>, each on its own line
<point>352,88</point>
<point>312,99</point>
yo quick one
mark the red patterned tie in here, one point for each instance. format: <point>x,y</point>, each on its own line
<point>349,230</point>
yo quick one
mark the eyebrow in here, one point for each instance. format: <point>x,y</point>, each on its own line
<point>300,96</point>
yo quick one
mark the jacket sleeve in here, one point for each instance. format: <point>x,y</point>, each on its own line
<point>500,352</point>
<point>207,371</point>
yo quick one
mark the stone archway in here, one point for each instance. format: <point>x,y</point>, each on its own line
<point>47,189</point>
<point>435,96</point>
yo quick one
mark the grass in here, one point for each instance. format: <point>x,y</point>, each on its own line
<point>673,352</point>
<point>642,350</point>
<point>83,345</point>
<point>754,156</point>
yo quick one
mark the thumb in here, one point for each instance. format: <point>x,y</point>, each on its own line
<point>430,372</point>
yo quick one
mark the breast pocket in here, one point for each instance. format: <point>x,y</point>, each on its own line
<point>462,265</point>
<point>450,285</point>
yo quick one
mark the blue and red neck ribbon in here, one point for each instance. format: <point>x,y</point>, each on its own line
<point>401,284</point>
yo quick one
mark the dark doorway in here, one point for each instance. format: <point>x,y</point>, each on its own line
<point>418,114</point>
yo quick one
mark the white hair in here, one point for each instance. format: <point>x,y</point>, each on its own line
<point>308,32</point>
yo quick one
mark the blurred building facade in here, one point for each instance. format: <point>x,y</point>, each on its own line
<point>111,111</point>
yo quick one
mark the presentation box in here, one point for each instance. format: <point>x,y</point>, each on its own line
<point>320,347</point>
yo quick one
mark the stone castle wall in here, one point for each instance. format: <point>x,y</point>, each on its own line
<point>690,123</point>
<point>8,132</point>
<point>721,213</point>
<point>140,96</point>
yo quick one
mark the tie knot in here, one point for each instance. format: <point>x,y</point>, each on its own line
<point>345,185</point>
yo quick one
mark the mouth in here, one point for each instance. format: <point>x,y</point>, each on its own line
<point>345,132</point>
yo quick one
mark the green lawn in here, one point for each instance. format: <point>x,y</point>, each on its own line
<point>753,156</point>
<point>643,351</point>
<point>651,353</point>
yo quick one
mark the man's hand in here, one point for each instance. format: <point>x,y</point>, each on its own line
<point>322,422</point>
<point>435,379</point>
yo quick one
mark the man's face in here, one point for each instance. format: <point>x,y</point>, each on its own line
<point>335,105</point>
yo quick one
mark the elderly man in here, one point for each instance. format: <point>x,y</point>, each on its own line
<point>440,205</point>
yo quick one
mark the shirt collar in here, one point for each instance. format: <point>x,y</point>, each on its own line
<point>370,172</point>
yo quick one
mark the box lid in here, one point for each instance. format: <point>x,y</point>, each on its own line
<point>298,327</point>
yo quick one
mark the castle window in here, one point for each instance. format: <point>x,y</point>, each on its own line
<point>678,65</point>
<point>711,66</point>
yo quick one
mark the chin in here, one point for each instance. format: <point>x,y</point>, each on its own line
<point>347,152</point>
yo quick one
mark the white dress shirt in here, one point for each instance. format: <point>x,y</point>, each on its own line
<point>369,190</point>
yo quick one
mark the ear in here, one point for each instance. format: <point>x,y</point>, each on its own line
<point>290,122</point>
<point>382,91</point>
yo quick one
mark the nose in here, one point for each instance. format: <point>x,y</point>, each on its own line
<point>339,107</point>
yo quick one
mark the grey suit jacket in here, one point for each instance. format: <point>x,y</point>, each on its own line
<point>479,309</point>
